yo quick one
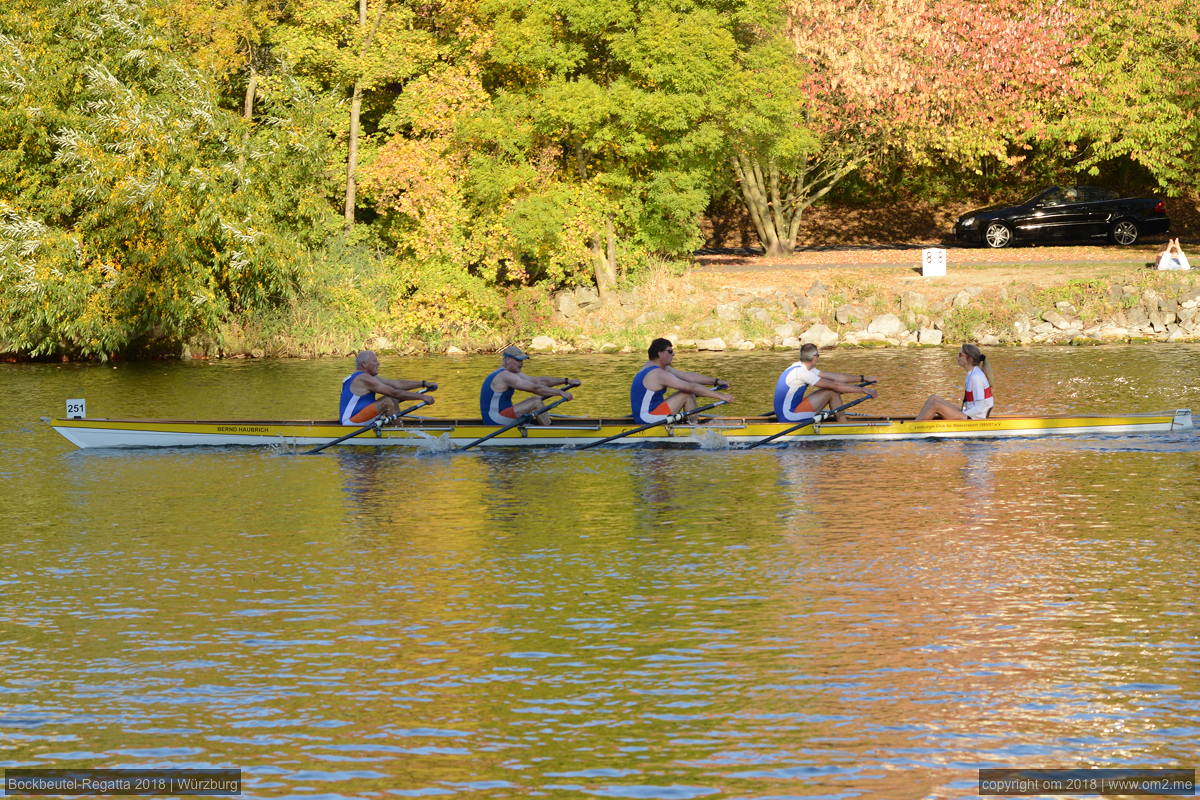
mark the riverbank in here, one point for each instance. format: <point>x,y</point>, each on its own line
<point>833,296</point>
<point>877,297</point>
<point>864,297</point>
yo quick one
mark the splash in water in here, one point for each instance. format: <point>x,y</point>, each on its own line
<point>433,444</point>
<point>708,439</point>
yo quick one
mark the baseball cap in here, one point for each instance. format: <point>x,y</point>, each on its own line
<point>512,351</point>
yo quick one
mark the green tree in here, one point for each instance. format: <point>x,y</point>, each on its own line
<point>127,219</point>
<point>356,49</point>
<point>1140,75</point>
<point>597,141</point>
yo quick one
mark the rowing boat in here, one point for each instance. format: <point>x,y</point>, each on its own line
<point>451,433</point>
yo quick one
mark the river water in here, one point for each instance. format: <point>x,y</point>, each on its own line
<point>854,620</point>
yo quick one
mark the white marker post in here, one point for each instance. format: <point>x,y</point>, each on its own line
<point>933,262</point>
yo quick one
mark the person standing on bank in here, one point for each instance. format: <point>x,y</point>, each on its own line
<point>495,396</point>
<point>802,390</point>
<point>359,403</point>
<point>977,397</point>
<point>647,394</point>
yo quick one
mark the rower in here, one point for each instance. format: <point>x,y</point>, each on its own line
<point>802,390</point>
<point>647,394</point>
<point>495,396</point>
<point>977,394</point>
<point>359,403</point>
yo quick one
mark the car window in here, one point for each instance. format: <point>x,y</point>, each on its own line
<point>1094,194</point>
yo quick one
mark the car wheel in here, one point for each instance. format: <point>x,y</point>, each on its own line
<point>997,235</point>
<point>1124,232</point>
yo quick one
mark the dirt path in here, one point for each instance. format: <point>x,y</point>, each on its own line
<point>898,268</point>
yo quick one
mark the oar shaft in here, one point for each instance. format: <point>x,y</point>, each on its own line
<point>522,420</point>
<point>820,416</point>
<point>671,419</point>
<point>376,423</point>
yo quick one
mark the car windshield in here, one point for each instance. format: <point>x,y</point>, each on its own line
<point>1059,196</point>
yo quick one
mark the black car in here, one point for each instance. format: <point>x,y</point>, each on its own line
<point>1071,212</point>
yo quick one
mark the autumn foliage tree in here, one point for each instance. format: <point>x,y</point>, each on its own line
<point>933,81</point>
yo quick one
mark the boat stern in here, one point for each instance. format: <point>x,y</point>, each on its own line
<point>1182,420</point>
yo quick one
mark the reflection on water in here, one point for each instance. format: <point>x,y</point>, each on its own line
<point>846,620</point>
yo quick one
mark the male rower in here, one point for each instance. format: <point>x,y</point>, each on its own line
<point>495,396</point>
<point>648,397</point>
<point>802,390</point>
<point>359,403</point>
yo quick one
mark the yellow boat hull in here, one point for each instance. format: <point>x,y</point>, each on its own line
<point>450,433</point>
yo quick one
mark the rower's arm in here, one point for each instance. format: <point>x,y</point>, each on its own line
<point>694,377</point>
<point>565,382</point>
<point>535,386</point>
<point>846,377</point>
<point>390,388</point>
<point>672,379</point>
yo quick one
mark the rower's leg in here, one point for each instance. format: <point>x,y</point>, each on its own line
<point>681,401</point>
<point>937,408</point>
<point>825,398</point>
<point>531,405</point>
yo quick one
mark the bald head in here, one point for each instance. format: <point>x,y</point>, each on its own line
<point>368,362</point>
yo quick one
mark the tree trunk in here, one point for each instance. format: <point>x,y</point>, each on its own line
<point>251,90</point>
<point>248,116</point>
<point>352,156</point>
<point>776,202</point>
<point>757,197</point>
<point>355,113</point>
<point>610,273</point>
<point>604,260</point>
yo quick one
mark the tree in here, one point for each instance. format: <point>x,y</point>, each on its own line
<point>356,48</point>
<point>931,80</point>
<point>139,228</point>
<point>597,140</point>
<point>1140,77</point>
<point>225,39</point>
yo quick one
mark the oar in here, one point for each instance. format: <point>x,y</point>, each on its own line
<point>376,424</point>
<point>522,420</point>
<point>669,420</point>
<point>820,416</point>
